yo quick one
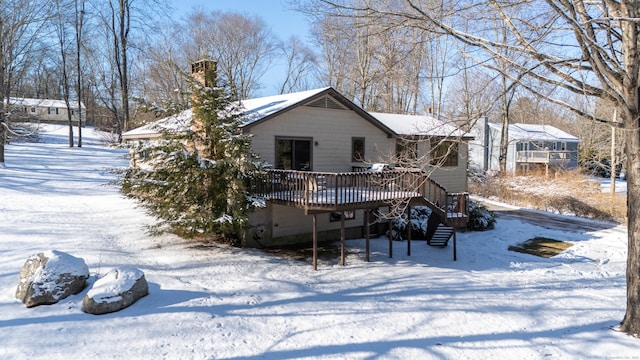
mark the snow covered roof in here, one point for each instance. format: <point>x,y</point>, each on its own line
<point>421,125</point>
<point>536,132</point>
<point>178,122</point>
<point>252,110</point>
<point>44,102</point>
<point>260,109</point>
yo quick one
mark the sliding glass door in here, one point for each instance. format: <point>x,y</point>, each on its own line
<point>293,153</point>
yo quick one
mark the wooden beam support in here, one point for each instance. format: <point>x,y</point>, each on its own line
<point>342,238</point>
<point>315,243</point>
<point>409,231</point>
<point>390,237</point>
<point>366,234</point>
<point>454,245</point>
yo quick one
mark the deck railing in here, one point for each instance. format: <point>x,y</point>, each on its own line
<point>326,191</point>
<point>543,156</point>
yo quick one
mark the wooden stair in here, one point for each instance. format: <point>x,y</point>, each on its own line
<point>441,236</point>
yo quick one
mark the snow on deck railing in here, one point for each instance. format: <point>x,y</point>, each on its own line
<point>326,190</point>
<point>348,190</point>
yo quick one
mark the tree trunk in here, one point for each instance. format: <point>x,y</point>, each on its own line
<point>631,322</point>
<point>124,81</point>
<point>79,20</point>
<point>504,136</point>
<point>630,108</point>
<point>2,135</point>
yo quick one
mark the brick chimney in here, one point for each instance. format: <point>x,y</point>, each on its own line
<point>205,72</point>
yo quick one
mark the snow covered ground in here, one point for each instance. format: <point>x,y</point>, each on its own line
<point>224,303</point>
<point>605,185</point>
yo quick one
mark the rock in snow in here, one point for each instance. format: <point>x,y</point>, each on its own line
<point>116,290</point>
<point>49,277</point>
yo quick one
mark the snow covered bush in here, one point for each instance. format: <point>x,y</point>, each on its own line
<point>419,217</point>
<point>480,218</point>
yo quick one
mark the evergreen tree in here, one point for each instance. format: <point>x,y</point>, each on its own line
<point>195,181</point>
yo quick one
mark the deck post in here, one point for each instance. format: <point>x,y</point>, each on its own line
<point>366,234</point>
<point>409,230</point>
<point>315,243</point>
<point>454,244</point>
<point>342,238</point>
<point>546,170</point>
<point>390,232</point>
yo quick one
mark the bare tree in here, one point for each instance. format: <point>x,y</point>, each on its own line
<point>120,32</point>
<point>243,47</point>
<point>61,26</point>
<point>334,54</point>
<point>472,95</point>
<point>21,25</point>
<point>79,17</point>
<point>376,63</point>
<point>584,47</point>
<point>165,89</point>
<point>300,64</point>
<point>125,25</point>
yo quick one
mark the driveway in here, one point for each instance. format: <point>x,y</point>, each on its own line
<point>545,219</point>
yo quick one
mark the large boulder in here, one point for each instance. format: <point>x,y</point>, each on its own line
<point>49,277</point>
<point>116,290</point>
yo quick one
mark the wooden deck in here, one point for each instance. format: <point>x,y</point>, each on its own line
<point>319,192</point>
<point>328,192</point>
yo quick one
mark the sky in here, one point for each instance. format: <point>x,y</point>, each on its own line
<point>211,301</point>
<point>277,14</point>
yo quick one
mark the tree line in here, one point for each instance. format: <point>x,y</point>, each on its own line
<point>122,58</point>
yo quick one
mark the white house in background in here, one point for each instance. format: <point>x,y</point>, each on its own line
<point>530,147</point>
<point>318,143</point>
<point>46,110</point>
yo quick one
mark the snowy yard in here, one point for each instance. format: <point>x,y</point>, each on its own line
<point>226,303</point>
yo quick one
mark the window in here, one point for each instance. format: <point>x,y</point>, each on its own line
<point>357,149</point>
<point>336,216</point>
<point>293,154</point>
<point>406,152</point>
<point>33,109</point>
<point>444,153</point>
<point>53,110</point>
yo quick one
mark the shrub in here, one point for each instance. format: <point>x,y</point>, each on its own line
<point>480,218</point>
<point>419,217</point>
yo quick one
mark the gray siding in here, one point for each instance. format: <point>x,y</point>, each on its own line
<point>331,131</point>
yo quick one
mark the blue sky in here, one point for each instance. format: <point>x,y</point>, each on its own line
<point>277,14</point>
<point>283,21</point>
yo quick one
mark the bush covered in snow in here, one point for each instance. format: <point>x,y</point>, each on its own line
<point>480,218</point>
<point>419,217</point>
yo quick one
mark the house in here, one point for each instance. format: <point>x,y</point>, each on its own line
<point>530,147</point>
<point>46,110</point>
<point>319,145</point>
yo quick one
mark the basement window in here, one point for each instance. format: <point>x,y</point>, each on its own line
<point>336,216</point>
